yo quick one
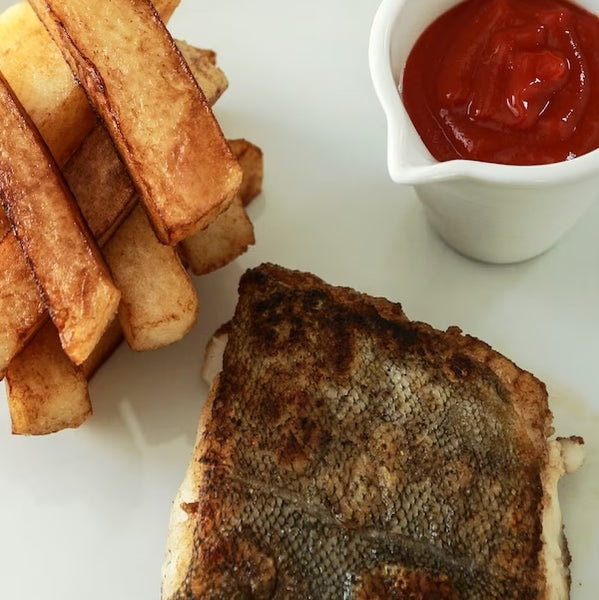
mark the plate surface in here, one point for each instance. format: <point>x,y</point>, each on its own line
<point>85,513</point>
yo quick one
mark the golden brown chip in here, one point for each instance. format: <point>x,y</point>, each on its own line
<point>159,304</point>
<point>100,183</point>
<point>46,391</point>
<point>77,288</point>
<point>22,310</point>
<point>221,242</point>
<point>105,195</point>
<point>153,108</point>
<point>43,82</point>
<point>212,80</point>
<point>250,158</point>
<point>109,342</point>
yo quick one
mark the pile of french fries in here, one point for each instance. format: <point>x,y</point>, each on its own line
<point>116,183</point>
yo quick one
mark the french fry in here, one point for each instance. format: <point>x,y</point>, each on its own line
<point>100,183</point>
<point>232,232</point>
<point>250,158</point>
<point>30,62</point>
<point>77,288</point>
<point>109,342</point>
<point>203,257</point>
<point>94,173</point>
<point>159,304</point>
<point>152,106</point>
<point>45,85</point>
<point>46,392</point>
<point>43,82</point>
<point>226,238</point>
<point>22,309</point>
<point>212,81</point>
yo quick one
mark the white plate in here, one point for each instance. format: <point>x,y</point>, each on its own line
<point>84,513</point>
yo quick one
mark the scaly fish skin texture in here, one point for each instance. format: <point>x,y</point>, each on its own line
<point>352,455</point>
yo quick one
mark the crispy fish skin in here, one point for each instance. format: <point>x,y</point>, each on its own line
<point>347,452</point>
<point>157,115</point>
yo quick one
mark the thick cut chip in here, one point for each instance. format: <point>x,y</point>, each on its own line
<point>105,195</point>
<point>80,295</point>
<point>212,81</point>
<point>159,304</point>
<point>108,343</point>
<point>46,391</point>
<point>251,160</point>
<point>43,82</point>
<point>22,309</point>
<point>232,231</point>
<point>221,242</point>
<point>100,183</point>
<point>45,85</point>
<point>96,175</point>
<point>153,108</point>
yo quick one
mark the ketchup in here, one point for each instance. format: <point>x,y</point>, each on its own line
<point>506,81</point>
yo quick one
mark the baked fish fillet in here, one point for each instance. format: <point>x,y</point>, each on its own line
<point>346,452</point>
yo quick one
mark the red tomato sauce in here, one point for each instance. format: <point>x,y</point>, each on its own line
<point>506,81</point>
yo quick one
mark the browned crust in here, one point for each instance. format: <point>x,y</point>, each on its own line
<point>46,392</point>
<point>24,311</point>
<point>458,356</point>
<point>459,352</point>
<point>226,238</point>
<point>251,159</point>
<point>189,175</point>
<point>61,251</point>
<point>392,583</point>
<point>105,195</point>
<point>179,546</point>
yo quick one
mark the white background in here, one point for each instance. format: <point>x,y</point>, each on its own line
<point>84,513</point>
